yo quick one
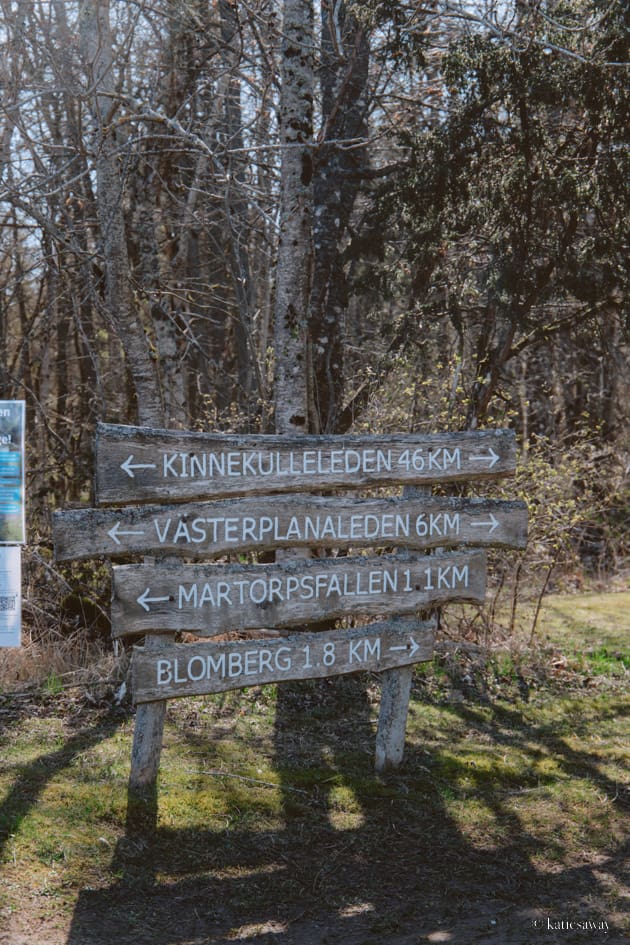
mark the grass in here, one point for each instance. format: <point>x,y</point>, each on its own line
<point>514,787</point>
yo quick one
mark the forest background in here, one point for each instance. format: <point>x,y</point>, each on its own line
<point>258,216</point>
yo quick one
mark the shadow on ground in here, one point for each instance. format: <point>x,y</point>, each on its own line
<point>403,873</point>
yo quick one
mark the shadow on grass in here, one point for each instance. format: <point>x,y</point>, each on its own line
<point>400,870</point>
<point>33,777</point>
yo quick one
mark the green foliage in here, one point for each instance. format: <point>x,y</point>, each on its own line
<point>512,210</point>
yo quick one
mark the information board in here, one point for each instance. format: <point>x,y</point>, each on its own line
<point>10,595</point>
<point>12,527</point>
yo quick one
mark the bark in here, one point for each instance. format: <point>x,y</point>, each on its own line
<point>97,50</point>
<point>341,152</point>
<point>294,267</point>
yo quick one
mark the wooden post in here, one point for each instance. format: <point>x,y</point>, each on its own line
<point>392,721</point>
<point>147,736</point>
<point>395,693</point>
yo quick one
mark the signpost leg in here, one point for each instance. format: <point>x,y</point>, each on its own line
<point>145,764</point>
<point>395,692</point>
<point>147,746</point>
<point>390,735</point>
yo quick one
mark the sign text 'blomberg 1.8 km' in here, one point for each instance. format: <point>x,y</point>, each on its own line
<point>136,464</point>
<point>211,529</point>
<point>214,599</point>
<point>171,670</point>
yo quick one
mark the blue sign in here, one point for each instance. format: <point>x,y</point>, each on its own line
<point>12,519</point>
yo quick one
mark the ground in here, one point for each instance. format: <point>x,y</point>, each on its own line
<point>507,824</point>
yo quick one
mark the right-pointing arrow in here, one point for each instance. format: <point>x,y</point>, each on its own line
<point>414,647</point>
<point>491,524</point>
<point>144,600</point>
<point>490,457</point>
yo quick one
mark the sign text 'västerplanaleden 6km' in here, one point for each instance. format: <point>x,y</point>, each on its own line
<point>214,599</point>
<point>135,464</point>
<point>211,529</point>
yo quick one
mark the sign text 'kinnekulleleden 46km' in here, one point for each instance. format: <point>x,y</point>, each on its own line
<point>135,464</point>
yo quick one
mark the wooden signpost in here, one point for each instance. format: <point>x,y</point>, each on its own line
<point>237,494</point>
<point>210,600</point>
<point>213,529</point>
<point>134,464</point>
<point>169,670</point>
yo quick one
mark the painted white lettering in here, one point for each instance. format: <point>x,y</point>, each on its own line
<point>372,648</point>
<point>282,658</point>
<point>265,660</point>
<point>186,597</point>
<point>198,464</point>
<point>198,528</point>
<point>233,464</point>
<point>216,665</point>
<point>168,468</point>
<point>235,664</point>
<point>162,533</point>
<point>164,672</point>
<point>353,461</point>
<point>251,662</point>
<point>452,458</point>
<point>207,594</point>
<point>375,582</point>
<point>217,465</point>
<point>275,589</point>
<point>231,529</point>
<point>383,461</point>
<point>306,585</point>
<point>460,575</point>
<point>390,581</point>
<point>223,593</point>
<point>181,532</point>
<point>354,655</point>
<point>258,591</point>
<point>192,675</point>
<point>293,585</point>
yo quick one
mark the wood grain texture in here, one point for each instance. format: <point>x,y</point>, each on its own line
<point>136,464</point>
<point>214,599</point>
<point>175,670</point>
<point>212,529</point>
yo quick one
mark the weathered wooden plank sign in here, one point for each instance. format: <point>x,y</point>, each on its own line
<point>135,464</point>
<point>175,670</point>
<point>212,529</point>
<point>213,599</point>
<point>230,494</point>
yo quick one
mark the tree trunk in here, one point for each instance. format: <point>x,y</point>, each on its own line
<point>294,267</point>
<point>341,151</point>
<point>96,47</point>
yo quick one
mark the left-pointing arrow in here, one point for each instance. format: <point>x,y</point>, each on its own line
<point>129,466</point>
<point>144,600</point>
<point>117,531</point>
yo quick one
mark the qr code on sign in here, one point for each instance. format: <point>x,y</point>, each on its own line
<point>8,603</point>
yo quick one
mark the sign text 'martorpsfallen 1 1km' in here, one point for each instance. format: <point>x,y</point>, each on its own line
<point>214,599</point>
<point>215,528</point>
<point>134,464</point>
<point>173,670</point>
